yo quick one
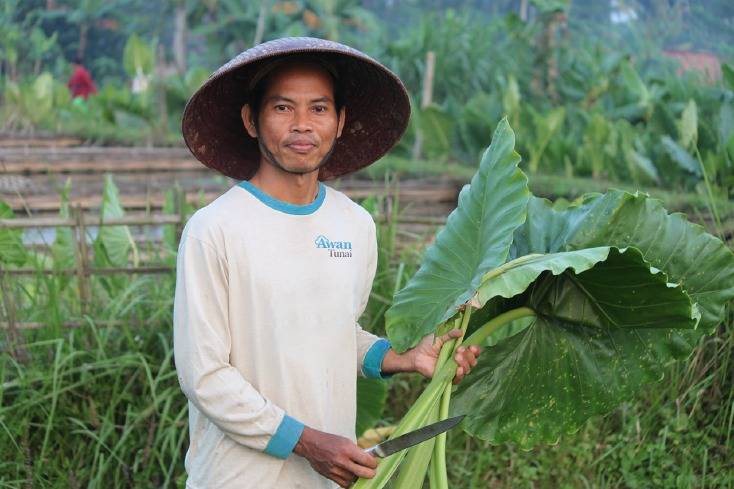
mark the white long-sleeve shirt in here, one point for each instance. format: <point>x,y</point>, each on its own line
<point>266,337</point>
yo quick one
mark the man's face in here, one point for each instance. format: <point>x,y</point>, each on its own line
<point>297,126</point>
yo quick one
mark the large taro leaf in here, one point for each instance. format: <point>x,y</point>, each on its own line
<point>603,328</point>
<point>700,262</point>
<point>113,243</point>
<point>476,239</point>
<point>63,248</point>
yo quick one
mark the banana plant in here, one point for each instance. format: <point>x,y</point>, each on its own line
<point>577,305</point>
<point>138,57</point>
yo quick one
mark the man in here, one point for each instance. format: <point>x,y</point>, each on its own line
<point>273,275</point>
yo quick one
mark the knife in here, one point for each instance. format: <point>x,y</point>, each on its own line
<point>387,448</point>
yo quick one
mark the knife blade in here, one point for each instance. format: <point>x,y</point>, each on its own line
<point>387,448</point>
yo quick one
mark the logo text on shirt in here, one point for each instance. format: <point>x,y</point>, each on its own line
<point>337,249</point>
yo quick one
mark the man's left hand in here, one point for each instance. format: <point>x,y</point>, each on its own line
<point>423,357</point>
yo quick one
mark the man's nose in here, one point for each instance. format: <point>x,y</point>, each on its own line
<point>301,120</point>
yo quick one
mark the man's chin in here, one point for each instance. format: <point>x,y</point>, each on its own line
<point>301,170</point>
<point>299,167</point>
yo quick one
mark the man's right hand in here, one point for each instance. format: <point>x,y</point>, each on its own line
<point>335,457</point>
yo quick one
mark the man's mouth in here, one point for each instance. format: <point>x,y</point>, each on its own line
<point>301,147</point>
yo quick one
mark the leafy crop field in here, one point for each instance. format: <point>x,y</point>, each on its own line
<point>100,406</point>
<point>595,105</point>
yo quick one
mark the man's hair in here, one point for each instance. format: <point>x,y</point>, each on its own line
<point>259,83</point>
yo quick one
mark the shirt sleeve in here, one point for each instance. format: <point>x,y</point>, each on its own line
<point>202,344</point>
<point>371,349</point>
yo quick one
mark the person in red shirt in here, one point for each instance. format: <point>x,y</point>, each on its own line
<point>80,83</point>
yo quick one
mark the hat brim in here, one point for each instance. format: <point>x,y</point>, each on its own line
<point>377,109</point>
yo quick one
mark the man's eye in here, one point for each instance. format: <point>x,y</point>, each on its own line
<point>320,108</point>
<point>281,108</point>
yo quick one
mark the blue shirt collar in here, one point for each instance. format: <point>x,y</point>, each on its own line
<point>286,207</point>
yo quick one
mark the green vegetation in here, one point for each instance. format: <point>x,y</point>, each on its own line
<point>99,406</point>
<point>579,316</point>
<point>586,99</point>
<point>595,106</point>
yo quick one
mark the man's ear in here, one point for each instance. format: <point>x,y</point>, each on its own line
<point>246,115</point>
<point>342,118</point>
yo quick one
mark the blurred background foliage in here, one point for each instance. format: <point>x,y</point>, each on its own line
<point>592,88</point>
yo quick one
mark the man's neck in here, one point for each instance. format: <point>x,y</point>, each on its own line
<point>287,187</point>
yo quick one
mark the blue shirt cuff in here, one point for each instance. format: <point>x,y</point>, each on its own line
<point>285,438</point>
<point>372,363</point>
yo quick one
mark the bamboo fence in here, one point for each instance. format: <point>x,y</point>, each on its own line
<point>83,269</point>
<point>80,222</point>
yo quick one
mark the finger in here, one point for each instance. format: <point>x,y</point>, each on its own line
<point>363,458</point>
<point>469,357</point>
<point>360,470</point>
<point>454,333</point>
<point>463,361</point>
<point>469,354</point>
<point>342,476</point>
<point>459,375</point>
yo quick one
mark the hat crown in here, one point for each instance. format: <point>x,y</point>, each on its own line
<point>290,45</point>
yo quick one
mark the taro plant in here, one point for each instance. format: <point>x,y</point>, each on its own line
<point>578,305</point>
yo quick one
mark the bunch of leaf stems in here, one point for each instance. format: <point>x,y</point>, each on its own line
<point>427,409</point>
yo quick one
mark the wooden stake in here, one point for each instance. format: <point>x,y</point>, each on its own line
<point>181,208</point>
<point>13,337</point>
<point>81,262</point>
<point>426,99</point>
<point>427,96</point>
<point>260,28</point>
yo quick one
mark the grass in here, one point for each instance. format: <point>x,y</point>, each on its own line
<point>96,407</point>
<point>101,407</point>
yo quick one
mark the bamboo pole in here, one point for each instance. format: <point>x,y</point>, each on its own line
<point>124,152</point>
<point>76,324</point>
<point>91,271</point>
<point>37,141</point>
<point>102,166</point>
<point>81,265</point>
<point>446,193</point>
<point>90,220</point>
